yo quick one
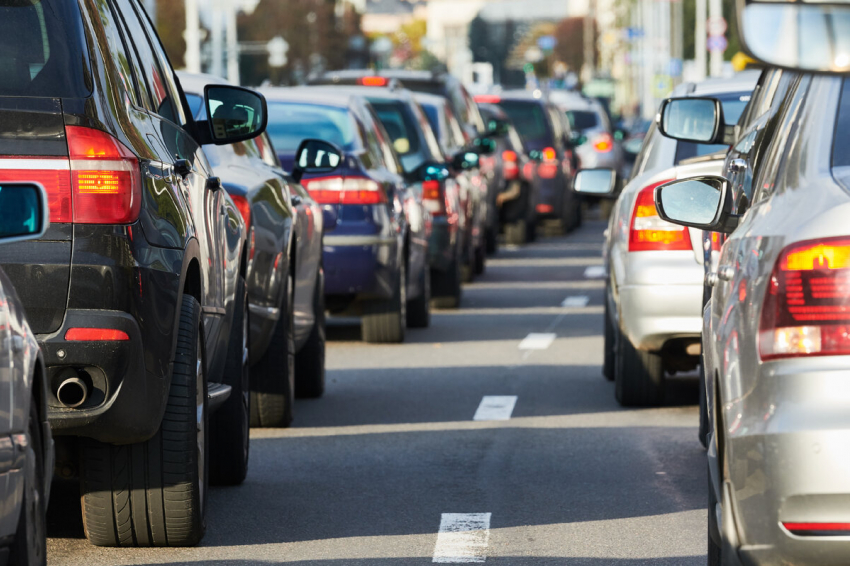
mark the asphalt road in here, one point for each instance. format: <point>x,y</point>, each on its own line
<point>370,473</point>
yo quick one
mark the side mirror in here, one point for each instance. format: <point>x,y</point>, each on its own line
<point>497,128</point>
<point>465,160</point>
<point>25,213</point>
<point>484,145</point>
<point>810,36</point>
<point>699,202</point>
<point>429,171</point>
<point>596,182</point>
<point>698,120</point>
<point>315,156</point>
<point>234,113</point>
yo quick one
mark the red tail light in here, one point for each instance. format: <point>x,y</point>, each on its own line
<point>806,309</point>
<point>509,165</point>
<point>53,174</point>
<point>105,178</point>
<point>95,335</point>
<point>603,143</point>
<point>818,529</point>
<point>345,190</point>
<point>244,208</point>
<point>373,81</point>
<point>548,168</point>
<point>488,99</point>
<point>528,171</point>
<point>716,241</point>
<point>545,208</point>
<point>434,197</point>
<point>649,232</point>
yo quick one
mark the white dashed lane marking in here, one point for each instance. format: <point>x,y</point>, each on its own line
<point>577,301</point>
<point>495,408</point>
<point>463,538</point>
<point>537,341</point>
<point>594,272</point>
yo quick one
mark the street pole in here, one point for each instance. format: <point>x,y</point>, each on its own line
<point>232,45</point>
<point>715,8</point>
<point>699,40</point>
<point>193,37</point>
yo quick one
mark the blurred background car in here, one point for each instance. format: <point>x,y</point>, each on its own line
<point>285,279</point>
<point>546,134</point>
<point>512,178</point>
<point>27,440</point>
<point>375,256</point>
<point>595,143</point>
<point>653,298</point>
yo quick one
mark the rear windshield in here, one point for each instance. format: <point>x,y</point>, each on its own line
<point>733,107</point>
<point>42,49</point>
<point>841,146</point>
<point>290,123</point>
<point>529,119</point>
<point>401,127</point>
<point>582,120</point>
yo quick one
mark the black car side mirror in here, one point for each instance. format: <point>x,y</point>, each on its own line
<point>484,145</point>
<point>698,120</point>
<point>699,202</point>
<point>234,114</point>
<point>25,213</point>
<point>465,160</point>
<point>316,156</point>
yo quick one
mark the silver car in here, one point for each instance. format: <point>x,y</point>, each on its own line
<point>597,148</point>
<point>655,274</point>
<point>776,332</point>
<point>26,443</point>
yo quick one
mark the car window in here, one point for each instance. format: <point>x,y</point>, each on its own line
<point>733,106</point>
<point>529,120</point>
<point>582,120</point>
<point>118,53</point>
<point>144,97</point>
<point>434,150</point>
<point>42,49</point>
<point>290,123</point>
<point>456,137</point>
<point>267,151</point>
<point>841,144</point>
<point>401,127</point>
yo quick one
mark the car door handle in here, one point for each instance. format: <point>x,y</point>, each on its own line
<point>182,167</point>
<point>726,272</point>
<point>738,165</point>
<point>295,200</point>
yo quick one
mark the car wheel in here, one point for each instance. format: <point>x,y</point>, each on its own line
<point>385,320</point>
<point>703,408</point>
<point>610,344</point>
<point>419,309</point>
<point>492,240</point>
<point>273,376</point>
<point>230,425</point>
<point>448,287</point>
<point>516,233</point>
<point>153,493</point>
<point>30,545</point>
<point>638,375</point>
<point>310,360</point>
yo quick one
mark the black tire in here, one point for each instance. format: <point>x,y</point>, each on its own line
<point>30,545</point>
<point>273,376</point>
<point>530,231</point>
<point>447,286</point>
<point>703,408</point>
<point>310,360</point>
<point>516,233</point>
<point>419,308</point>
<point>385,320</point>
<point>491,241</point>
<point>638,375</point>
<point>153,493</point>
<point>609,358</point>
<point>230,425</point>
<point>480,261</point>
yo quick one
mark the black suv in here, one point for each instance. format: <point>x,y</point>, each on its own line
<point>136,291</point>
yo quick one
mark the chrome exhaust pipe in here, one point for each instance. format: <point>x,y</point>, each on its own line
<point>72,392</point>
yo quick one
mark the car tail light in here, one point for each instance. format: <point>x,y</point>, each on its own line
<point>528,171</point>
<point>818,529</point>
<point>509,165</point>
<point>373,81</point>
<point>345,190</point>
<point>649,232</point>
<point>488,99</point>
<point>603,143</point>
<point>244,208</point>
<point>716,241</point>
<point>52,173</point>
<point>806,309</point>
<point>545,208</point>
<point>105,178</point>
<point>434,197</point>
<point>95,335</point>
<point>548,168</point>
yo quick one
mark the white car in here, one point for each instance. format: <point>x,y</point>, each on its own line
<point>655,277</point>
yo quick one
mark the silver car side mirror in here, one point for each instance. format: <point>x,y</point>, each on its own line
<point>698,202</point>
<point>698,120</point>
<point>596,182</point>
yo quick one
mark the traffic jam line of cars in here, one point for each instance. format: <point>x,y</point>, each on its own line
<point>176,242</point>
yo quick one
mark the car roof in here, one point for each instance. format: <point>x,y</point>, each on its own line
<point>308,94</point>
<point>574,101</point>
<point>430,99</point>
<point>743,81</point>
<point>363,91</point>
<point>400,74</point>
<point>525,95</point>
<point>194,83</point>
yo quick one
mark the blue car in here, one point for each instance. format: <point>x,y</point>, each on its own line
<point>375,243</point>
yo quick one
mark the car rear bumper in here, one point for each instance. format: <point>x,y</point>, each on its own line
<point>361,265</point>
<point>788,462</point>
<point>650,315</point>
<point>442,244</point>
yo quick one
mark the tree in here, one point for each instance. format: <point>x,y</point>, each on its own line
<point>570,48</point>
<point>170,25</point>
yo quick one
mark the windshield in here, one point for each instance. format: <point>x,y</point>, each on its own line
<point>290,123</point>
<point>42,49</point>
<point>583,120</point>
<point>401,128</point>
<point>529,119</point>
<point>733,107</point>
